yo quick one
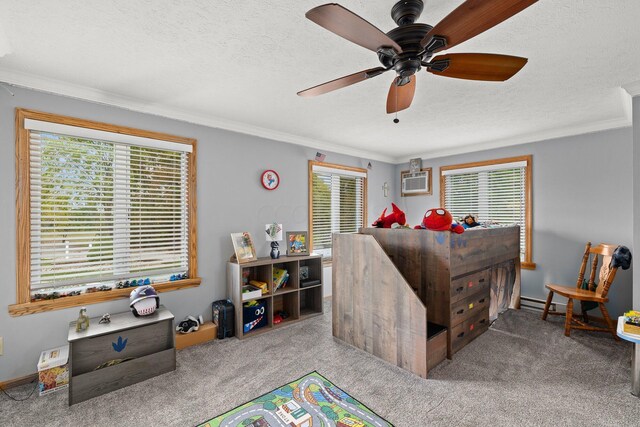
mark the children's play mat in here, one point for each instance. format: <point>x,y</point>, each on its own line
<point>311,401</point>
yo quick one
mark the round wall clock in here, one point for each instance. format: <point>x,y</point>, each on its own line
<point>270,179</point>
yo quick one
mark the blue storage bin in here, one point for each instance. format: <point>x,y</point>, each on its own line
<point>254,317</point>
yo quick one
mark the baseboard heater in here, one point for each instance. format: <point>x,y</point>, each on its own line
<point>536,304</point>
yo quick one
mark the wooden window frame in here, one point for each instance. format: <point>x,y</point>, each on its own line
<point>310,192</point>
<point>24,305</point>
<point>528,263</point>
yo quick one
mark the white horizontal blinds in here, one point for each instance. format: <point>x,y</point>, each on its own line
<point>462,194</point>
<point>103,211</point>
<point>492,194</point>
<point>338,205</point>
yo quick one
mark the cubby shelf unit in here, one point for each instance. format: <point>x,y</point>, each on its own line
<point>299,302</point>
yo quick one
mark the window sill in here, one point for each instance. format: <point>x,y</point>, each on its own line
<point>94,298</point>
<point>528,265</point>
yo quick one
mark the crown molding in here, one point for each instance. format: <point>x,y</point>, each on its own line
<point>85,93</point>
<point>627,103</point>
<point>632,88</point>
<point>574,130</point>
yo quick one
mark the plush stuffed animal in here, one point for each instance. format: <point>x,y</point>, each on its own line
<point>621,257</point>
<point>439,219</point>
<point>469,221</point>
<point>395,217</point>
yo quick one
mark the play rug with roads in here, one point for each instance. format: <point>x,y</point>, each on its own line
<point>311,401</point>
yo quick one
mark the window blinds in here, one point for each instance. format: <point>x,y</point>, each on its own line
<point>491,193</point>
<point>338,205</point>
<point>103,211</point>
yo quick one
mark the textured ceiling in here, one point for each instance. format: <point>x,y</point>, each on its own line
<point>238,65</point>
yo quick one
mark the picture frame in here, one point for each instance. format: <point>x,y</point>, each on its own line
<point>243,247</point>
<point>415,165</point>
<point>297,243</point>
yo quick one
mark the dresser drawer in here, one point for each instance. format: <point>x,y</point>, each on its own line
<point>468,285</point>
<point>87,354</point>
<point>469,307</point>
<point>466,331</point>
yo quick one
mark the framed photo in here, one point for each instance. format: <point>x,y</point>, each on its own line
<point>243,247</point>
<point>415,165</point>
<point>297,243</point>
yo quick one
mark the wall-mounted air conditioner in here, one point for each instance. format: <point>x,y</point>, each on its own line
<point>418,183</point>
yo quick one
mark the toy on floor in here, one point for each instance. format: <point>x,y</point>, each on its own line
<point>189,324</point>
<point>83,320</point>
<point>395,219</point>
<point>439,219</point>
<point>280,316</point>
<point>144,301</point>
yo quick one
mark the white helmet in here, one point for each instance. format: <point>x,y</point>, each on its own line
<point>144,300</point>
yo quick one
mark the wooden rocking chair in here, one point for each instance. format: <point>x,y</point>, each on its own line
<point>594,294</point>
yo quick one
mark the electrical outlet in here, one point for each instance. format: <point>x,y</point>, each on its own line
<point>1,346</point>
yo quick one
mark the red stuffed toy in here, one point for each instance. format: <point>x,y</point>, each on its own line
<point>395,217</point>
<point>439,219</point>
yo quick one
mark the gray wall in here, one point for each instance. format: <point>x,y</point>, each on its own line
<point>636,197</point>
<point>230,199</point>
<point>582,191</point>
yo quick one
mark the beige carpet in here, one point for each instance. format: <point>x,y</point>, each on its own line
<point>521,372</point>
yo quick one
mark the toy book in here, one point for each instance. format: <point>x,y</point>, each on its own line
<point>632,322</point>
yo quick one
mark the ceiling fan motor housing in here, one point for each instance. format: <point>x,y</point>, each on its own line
<point>406,12</point>
<point>413,54</point>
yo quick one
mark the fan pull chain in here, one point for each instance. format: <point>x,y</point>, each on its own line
<point>396,120</point>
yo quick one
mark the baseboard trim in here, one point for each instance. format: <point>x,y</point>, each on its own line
<point>5,385</point>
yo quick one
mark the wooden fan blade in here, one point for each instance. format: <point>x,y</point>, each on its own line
<point>472,18</point>
<point>400,97</point>
<point>477,66</point>
<point>350,26</point>
<point>342,82</point>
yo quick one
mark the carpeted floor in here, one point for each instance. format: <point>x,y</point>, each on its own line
<point>521,372</point>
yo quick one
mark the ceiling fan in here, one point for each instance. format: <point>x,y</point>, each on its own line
<point>409,47</point>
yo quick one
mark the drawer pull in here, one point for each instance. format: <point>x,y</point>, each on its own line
<point>460,289</point>
<point>481,301</point>
<point>460,311</point>
<point>481,280</point>
<point>461,334</point>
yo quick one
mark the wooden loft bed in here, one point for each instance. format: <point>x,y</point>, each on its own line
<point>414,297</point>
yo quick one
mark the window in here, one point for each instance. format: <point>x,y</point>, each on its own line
<point>496,190</point>
<point>337,203</point>
<point>100,205</point>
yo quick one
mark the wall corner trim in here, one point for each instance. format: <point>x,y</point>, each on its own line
<point>632,88</point>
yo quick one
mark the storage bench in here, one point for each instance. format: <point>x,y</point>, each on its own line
<point>106,357</point>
